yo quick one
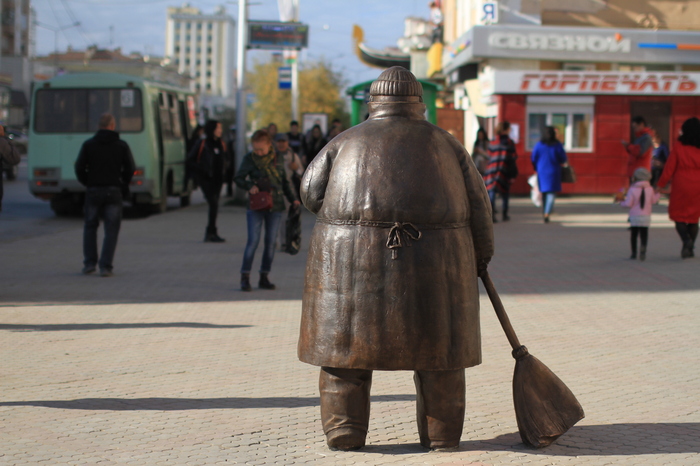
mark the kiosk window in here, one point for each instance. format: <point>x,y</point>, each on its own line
<point>573,124</point>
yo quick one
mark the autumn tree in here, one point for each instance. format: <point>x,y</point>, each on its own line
<point>320,91</point>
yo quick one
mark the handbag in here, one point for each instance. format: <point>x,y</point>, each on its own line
<point>262,200</point>
<point>568,175</point>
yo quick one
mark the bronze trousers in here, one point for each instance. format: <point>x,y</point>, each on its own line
<point>440,403</point>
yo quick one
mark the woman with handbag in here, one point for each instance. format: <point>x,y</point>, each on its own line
<point>207,160</point>
<point>262,175</point>
<point>548,158</point>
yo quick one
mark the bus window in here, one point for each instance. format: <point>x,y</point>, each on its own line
<point>61,111</point>
<point>174,116</point>
<point>165,126</point>
<point>79,110</point>
<point>184,121</point>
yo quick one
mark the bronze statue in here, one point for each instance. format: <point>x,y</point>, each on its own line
<point>404,224</point>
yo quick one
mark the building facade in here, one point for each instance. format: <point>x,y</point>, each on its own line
<point>585,67</point>
<point>17,37</point>
<point>203,46</point>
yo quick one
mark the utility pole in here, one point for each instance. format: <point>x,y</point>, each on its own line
<point>0,35</point>
<point>295,67</point>
<point>295,86</point>
<point>241,101</point>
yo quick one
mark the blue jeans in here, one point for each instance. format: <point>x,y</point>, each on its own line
<point>504,195</point>
<point>255,221</point>
<point>105,202</point>
<point>548,202</point>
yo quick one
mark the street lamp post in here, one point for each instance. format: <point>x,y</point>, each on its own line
<point>240,80</point>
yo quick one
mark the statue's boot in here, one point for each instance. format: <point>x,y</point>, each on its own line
<point>440,407</point>
<point>345,406</point>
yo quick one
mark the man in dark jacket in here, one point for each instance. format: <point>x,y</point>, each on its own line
<point>105,166</point>
<point>370,301</point>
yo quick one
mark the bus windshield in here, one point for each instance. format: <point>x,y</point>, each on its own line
<point>79,110</point>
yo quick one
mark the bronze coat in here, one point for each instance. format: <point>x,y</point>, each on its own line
<point>361,308</point>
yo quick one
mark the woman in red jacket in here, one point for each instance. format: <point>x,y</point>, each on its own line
<point>683,171</point>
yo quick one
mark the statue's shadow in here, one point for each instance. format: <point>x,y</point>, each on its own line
<point>594,440</point>
<point>625,439</point>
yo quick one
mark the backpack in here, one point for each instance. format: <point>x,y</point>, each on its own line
<point>510,167</point>
<point>195,161</point>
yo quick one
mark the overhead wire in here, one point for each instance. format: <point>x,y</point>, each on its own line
<point>74,19</point>
<point>58,21</point>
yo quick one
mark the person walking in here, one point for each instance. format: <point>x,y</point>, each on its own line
<point>105,167</point>
<point>8,154</point>
<point>262,170</point>
<point>313,144</point>
<point>682,170</point>
<point>194,140</point>
<point>548,156</point>
<point>501,170</point>
<point>335,129</point>
<point>230,160</point>
<point>640,150</point>
<point>658,158</point>
<point>371,303</point>
<point>293,168</point>
<point>639,199</point>
<point>272,130</point>
<point>480,151</point>
<point>295,138</point>
<point>208,161</point>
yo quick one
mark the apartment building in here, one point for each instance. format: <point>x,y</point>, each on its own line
<point>203,46</point>
<point>16,50</point>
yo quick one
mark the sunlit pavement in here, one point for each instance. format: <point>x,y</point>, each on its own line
<point>167,362</point>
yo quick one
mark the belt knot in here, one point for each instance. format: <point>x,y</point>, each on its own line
<point>400,234</point>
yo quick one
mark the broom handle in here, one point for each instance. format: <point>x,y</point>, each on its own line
<point>500,311</point>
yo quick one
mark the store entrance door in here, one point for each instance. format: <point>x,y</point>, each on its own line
<point>656,114</point>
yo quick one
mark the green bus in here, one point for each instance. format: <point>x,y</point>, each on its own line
<point>155,119</point>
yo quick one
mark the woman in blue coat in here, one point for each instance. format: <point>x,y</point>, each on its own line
<point>548,157</point>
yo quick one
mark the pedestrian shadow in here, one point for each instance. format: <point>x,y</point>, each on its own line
<point>182,404</point>
<point>629,439</point>
<point>64,327</point>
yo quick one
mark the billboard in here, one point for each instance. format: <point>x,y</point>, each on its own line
<point>277,35</point>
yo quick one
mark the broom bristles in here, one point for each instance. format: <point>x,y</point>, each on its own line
<point>545,408</point>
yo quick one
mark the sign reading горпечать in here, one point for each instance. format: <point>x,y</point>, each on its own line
<point>589,82</point>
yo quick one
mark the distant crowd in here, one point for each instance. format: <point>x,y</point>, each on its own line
<point>272,172</point>
<point>651,169</point>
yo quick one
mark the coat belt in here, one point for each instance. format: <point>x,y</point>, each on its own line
<point>400,233</point>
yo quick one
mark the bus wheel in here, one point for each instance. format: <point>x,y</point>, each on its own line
<point>185,200</point>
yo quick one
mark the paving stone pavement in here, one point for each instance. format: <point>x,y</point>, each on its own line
<point>167,362</point>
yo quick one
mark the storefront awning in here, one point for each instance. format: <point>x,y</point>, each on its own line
<point>573,44</point>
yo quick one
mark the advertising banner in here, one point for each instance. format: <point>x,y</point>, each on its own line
<point>584,82</point>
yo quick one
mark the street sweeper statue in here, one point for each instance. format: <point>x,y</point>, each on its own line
<point>403,231</point>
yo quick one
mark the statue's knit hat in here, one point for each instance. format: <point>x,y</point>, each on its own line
<point>396,81</point>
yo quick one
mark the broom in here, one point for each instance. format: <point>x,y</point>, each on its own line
<point>545,408</point>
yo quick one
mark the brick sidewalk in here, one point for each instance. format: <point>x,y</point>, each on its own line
<point>168,362</point>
